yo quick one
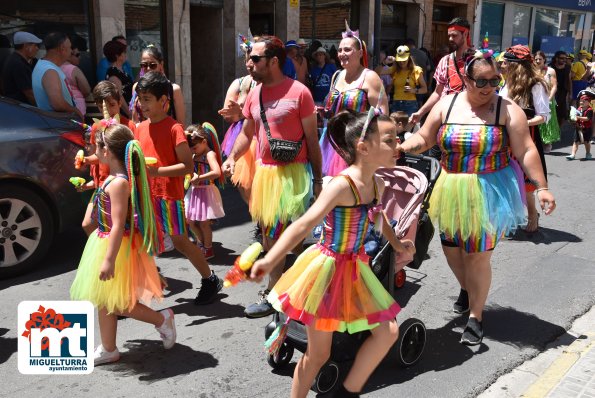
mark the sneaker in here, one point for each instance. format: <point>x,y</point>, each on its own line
<point>102,356</point>
<point>462,304</point>
<point>261,308</point>
<point>588,156</point>
<point>208,252</point>
<point>208,290</point>
<point>168,245</point>
<point>473,333</point>
<point>167,331</point>
<point>570,157</point>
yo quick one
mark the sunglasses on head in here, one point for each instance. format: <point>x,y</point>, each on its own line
<point>150,65</point>
<point>256,58</point>
<point>481,83</point>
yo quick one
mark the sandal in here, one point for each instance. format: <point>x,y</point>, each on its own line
<point>532,224</point>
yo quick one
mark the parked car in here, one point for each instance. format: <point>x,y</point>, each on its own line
<point>37,150</point>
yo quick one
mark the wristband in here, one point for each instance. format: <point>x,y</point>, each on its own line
<point>541,189</point>
<point>317,181</point>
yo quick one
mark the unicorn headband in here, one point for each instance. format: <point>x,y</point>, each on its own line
<point>245,44</point>
<point>106,122</point>
<point>355,34</point>
<point>484,53</point>
<point>372,112</point>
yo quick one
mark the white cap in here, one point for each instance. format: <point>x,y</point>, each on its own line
<point>25,37</point>
<point>320,50</point>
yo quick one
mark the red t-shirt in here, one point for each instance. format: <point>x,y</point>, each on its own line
<point>286,104</point>
<point>449,73</point>
<point>99,172</point>
<point>160,140</point>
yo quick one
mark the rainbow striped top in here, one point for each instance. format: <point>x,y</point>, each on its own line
<point>355,99</point>
<point>102,208</point>
<point>345,227</point>
<point>473,148</point>
<point>201,166</point>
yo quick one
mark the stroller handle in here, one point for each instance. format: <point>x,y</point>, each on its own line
<point>435,167</point>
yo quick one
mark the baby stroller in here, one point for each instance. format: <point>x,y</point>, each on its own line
<point>407,210</point>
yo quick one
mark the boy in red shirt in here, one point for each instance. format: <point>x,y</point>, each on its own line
<point>106,93</point>
<point>582,134</point>
<point>163,138</point>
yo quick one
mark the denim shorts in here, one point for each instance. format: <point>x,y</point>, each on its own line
<point>408,107</point>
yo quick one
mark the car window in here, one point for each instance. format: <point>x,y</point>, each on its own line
<point>17,117</point>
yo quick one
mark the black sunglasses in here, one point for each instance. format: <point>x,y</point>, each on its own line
<point>481,83</point>
<point>150,65</point>
<point>256,58</point>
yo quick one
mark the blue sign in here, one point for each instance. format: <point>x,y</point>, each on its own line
<point>523,41</point>
<point>551,44</point>
<point>581,5</point>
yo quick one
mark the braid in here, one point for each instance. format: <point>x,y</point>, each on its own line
<point>140,197</point>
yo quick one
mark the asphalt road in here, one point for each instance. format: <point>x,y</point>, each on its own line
<point>540,285</point>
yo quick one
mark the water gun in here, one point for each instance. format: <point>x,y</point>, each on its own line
<point>187,179</point>
<point>242,265</point>
<point>150,160</point>
<point>77,181</point>
<point>78,159</point>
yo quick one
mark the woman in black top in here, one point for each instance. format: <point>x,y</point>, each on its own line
<point>564,85</point>
<point>115,52</point>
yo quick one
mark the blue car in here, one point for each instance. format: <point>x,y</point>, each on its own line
<point>37,201</point>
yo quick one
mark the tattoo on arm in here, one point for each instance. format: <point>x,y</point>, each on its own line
<point>534,182</point>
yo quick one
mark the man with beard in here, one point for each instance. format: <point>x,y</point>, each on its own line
<point>279,110</point>
<point>450,69</point>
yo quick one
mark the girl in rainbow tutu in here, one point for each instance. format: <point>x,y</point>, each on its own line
<point>117,272</point>
<point>331,287</point>
<point>478,197</point>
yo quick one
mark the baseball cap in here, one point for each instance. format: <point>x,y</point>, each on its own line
<point>290,43</point>
<point>25,37</point>
<point>402,53</point>
<point>320,50</point>
<point>583,52</point>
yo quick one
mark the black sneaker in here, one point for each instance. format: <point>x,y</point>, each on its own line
<point>261,308</point>
<point>473,333</point>
<point>462,304</point>
<point>208,290</point>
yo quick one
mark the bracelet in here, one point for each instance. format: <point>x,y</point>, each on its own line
<point>541,189</point>
<point>317,181</point>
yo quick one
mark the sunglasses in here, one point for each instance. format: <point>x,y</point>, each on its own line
<point>256,58</point>
<point>481,83</point>
<point>150,65</point>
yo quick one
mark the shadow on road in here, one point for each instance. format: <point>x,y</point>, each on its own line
<point>212,312</point>
<point>150,362</point>
<point>545,236</point>
<point>8,346</point>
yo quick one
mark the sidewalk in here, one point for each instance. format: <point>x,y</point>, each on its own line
<point>566,371</point>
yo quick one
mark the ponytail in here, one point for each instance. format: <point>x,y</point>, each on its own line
<point>142,214</point>
<point>213,143</point>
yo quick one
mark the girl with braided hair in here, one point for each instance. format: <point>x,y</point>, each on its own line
<point>117,272</point>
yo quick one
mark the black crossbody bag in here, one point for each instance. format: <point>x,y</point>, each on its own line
<point>283,151</point>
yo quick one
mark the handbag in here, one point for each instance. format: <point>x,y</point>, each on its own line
<point>283,151</point>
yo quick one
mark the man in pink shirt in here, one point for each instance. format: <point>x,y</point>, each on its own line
<point>278,109</point>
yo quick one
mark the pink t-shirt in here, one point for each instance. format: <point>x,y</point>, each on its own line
<point>447,75</point>
<point>286,104</point>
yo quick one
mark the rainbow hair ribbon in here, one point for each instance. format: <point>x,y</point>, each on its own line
<point>213,143</point>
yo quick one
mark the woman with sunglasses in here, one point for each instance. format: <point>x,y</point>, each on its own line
<point>115,52</point>
<point>527,88</point>
<point>354,87</point>
<point>477,199</point>
<point>75,79</point>
<point>152,61</point>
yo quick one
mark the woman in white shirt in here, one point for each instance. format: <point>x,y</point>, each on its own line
<point>526,86</point>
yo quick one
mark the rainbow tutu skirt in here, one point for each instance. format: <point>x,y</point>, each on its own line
<point>333,292</point>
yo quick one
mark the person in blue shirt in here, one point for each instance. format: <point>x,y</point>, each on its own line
<point>288,67</point>
<point>321,74</point>
<point>104,64</point>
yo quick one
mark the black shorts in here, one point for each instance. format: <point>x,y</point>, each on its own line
<point>587,132</point>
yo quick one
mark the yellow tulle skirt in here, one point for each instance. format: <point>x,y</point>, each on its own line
<point>135,278</point>
<point>245,167</point>
<point>280,193</point>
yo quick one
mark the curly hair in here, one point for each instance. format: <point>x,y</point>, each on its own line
<point>520,79</point>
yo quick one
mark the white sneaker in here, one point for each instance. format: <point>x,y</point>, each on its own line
<point>167,331</point>
<point>102,356</point>
<point>168,245</point>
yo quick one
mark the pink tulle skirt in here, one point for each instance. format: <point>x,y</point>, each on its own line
<point>230,137</point>
<point>203,203</point>
<point>332,162</point>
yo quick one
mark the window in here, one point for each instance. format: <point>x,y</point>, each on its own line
<point>492,21</point>
<point>520,25</point>
<point>561,29</point>
<point>144,22</point>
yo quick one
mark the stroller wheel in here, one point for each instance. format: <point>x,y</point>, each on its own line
<point>327,378</point>
<point>411,342</point>
<point>400,278</point>
<point>285,355</point>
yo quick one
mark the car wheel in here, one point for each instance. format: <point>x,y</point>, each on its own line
<point>26,229</point>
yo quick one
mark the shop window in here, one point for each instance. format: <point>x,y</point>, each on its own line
<point>520,25</point>
<point>558,30</point>
<point>492,21</point>
<point>144,22</point>
<point>41,17</point>
<point>393,25</point>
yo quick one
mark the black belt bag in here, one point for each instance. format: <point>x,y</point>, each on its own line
<point>283,151</point>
